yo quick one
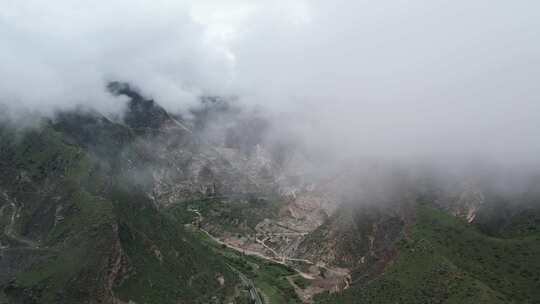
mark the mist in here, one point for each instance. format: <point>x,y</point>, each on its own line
<point>447,82</point>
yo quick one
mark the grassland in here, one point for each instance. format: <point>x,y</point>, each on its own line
<point>83,220</point>
<point>270,278</point>
<point>446,260</point>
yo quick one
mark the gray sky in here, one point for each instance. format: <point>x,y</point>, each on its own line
<point>389,78</point>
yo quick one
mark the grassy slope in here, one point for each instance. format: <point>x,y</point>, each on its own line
<point>43,170</point>
<point>448,261</point>
<point>511,216</point>
<point>168,263</point>
<point>270,278</point>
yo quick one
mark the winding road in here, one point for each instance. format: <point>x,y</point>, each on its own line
<point>256,253</point>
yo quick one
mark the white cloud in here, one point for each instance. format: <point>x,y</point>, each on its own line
<point>63,53</point>
<point>380,77</point>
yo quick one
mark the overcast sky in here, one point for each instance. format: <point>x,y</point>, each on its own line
<point>424,77</point>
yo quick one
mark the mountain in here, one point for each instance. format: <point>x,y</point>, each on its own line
<point>453,248</point>
<point>76,231</point>
<point>395,239</point>
<point>445,260</point>
<point>82,210</point>
<point>152,207</point>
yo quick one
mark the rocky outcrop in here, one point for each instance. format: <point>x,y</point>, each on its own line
<point>468,204</point>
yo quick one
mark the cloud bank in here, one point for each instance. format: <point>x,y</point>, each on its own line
<point>390,79</point>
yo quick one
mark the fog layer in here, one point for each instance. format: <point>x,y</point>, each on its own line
<point>452,81</point>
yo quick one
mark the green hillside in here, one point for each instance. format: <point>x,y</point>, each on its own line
<point>75,232</point>
<point>446,260</point>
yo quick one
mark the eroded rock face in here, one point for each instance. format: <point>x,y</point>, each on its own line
<point>209,172</point>
<point>311,209</point>
<point>352,238</point>
<point>464,199</point>
<point>470,201</point>
<point>117,268</point>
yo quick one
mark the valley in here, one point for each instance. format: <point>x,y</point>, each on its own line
<point>153,209</point>
<point>274,239</point>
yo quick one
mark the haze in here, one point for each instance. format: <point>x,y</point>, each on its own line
<point>446,80</point>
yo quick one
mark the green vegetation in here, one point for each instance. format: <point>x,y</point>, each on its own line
<point>83,234</point>
<point>301,282</point>
<point>42,173</point>
<point>270,278</point>
<point>513,216</point>
<point>446,260</point>
<point>169,263</point>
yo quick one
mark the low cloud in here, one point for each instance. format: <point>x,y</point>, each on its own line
<point>437,80</point>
